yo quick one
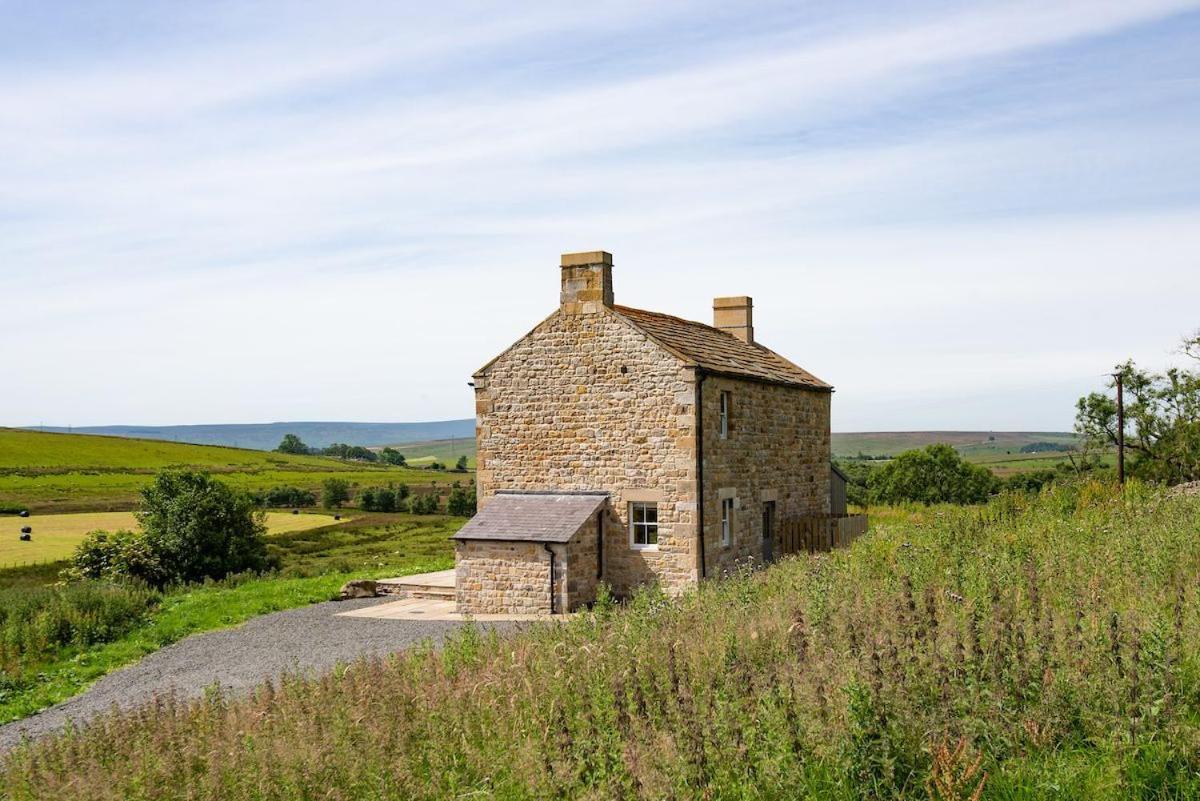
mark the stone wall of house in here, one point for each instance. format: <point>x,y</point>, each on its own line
<point>777,448</point>
<point>502,577</point>
<point>582,555</point>
<point>587,402</point>
<point>493,577</point>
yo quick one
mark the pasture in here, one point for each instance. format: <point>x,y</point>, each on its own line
<point>79,472</point>
<point>445,451</point>
<point>55,536</point>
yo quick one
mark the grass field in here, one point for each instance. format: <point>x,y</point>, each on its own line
<point>445,451</point>
<point>314,564</point>
<point>76,472</point>
<point>1041,648</point>
<point>56,535</point>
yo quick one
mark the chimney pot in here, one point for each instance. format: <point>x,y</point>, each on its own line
<point>586,282</point>
<point>735,315</point>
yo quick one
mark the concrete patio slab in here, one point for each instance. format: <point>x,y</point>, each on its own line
<point>433,610</point>
<point>439,578</point>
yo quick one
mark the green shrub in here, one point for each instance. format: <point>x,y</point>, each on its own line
<point>933,474</point>
<point>193,527</point>
<point>378,499</point>
<point>285,496</point>
<point>117,555</point>
<point>461,502</point>
<point>334,492</point>
<point>427,504</point>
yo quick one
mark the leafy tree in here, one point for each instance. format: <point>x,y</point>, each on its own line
<point>193,527</point>
<point>858,476</point>
<point>402,493</point>
<point>461,502</point>
<point>1031,480</point>
<point>353,452</point>
<point>1162,419</point>
<point>933,474</point>
<point>288,496</point>
<point>436,465</point>
<point>1042,447</point>
<point>334,492</point>
<point>378,499</point>
<point>393,456</point>
<point>293,444</point>
<point>461,465</point>
<point>428,504</point>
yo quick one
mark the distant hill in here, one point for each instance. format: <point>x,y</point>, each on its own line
<point>974,445</point>
<point>266,436</point>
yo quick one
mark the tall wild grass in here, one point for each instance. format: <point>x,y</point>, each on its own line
<point>1043,648</point>
<point>37,621</point>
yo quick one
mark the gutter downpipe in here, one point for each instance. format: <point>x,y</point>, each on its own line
<point>550,551</point>
<point>700,376</point>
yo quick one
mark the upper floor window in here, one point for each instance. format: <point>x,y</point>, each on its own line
<point>724,415</point>
<point>726,521</point>
<point>643,524</point>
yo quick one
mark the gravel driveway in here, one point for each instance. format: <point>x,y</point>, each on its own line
<point>310,638</point>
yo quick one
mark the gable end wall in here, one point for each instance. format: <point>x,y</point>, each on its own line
<point>557,412</point>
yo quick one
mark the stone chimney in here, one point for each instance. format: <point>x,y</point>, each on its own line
<point>735,315</point>
<point>586,282</point>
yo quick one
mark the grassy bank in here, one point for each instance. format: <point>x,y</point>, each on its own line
<point>56,641</point>
<point>1043,649</point>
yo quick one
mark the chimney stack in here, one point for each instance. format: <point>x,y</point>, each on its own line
<point>735,315</point>
<point>586,282</point>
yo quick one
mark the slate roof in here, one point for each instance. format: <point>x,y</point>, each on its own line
<point>718,351</point>
<point>548,517</point>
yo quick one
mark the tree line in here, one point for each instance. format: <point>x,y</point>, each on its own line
<point>292,444</point>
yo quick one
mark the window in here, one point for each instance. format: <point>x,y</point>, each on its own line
<point>643,524</point>
<point>724,415</point>
<point>726,521</point>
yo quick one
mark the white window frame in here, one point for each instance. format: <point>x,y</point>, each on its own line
<point>647,528</point>
<point>726,402</point>
<point>727,522</point>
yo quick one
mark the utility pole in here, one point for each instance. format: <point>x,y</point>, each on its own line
<point>1120,428</point>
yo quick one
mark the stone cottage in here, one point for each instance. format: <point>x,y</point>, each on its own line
<point>628,446</point>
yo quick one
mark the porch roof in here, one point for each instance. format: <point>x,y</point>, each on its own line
<point>532,517</point>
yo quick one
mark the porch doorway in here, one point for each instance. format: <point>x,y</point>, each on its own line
<point>768,531</point>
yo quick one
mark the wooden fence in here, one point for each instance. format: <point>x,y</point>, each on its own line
<point>819,533</point>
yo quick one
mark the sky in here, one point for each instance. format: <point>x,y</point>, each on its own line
<point>960,215</point>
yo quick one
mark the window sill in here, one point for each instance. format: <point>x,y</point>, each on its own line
<point>635,547</point>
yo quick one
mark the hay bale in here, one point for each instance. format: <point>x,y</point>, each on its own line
<point>26,529</point>
<point>26,537</point>
<point>23,513</point>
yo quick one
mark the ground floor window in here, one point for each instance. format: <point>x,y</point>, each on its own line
<point>726,521</point>
<point>643,524</point>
